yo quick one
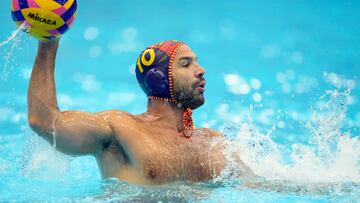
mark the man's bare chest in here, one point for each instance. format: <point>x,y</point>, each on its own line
<point>161,158</point>
<point>168,161</point>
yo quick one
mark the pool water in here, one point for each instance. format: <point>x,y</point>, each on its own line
<point>282,86</point>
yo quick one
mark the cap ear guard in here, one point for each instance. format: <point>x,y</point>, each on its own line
<point>154,69</point>
<point>152,73</point>
<point>156,82</point>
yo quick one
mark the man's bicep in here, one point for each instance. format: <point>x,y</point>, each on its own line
<point>80,133</point>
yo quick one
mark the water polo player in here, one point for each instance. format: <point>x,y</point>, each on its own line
<point>161,145</point>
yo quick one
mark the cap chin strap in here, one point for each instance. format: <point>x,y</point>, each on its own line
<point>187,117</point>
<point>188,123</point>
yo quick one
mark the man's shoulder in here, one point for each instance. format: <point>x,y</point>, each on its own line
<point>120,121</point>
<point>209,132</point>
<point>112,115</point>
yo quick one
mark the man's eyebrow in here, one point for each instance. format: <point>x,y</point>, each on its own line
<point>188,58</point>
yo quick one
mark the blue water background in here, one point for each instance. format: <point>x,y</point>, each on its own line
<point>262,40</point>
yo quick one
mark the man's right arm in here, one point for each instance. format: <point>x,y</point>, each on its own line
<point>72,132</point>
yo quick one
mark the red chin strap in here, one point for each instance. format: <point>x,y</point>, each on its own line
<point>188,123</point>
<point>187,117</point>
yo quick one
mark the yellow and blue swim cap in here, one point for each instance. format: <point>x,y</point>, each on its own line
<point>154,70</point>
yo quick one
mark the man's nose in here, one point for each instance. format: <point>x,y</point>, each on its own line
<point>200,72</point>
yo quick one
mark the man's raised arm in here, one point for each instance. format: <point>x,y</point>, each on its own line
<point>72,132</point>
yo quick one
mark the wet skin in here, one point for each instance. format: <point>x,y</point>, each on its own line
<point>145,149</point>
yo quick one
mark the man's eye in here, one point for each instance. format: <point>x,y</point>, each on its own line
<point>185,63</point>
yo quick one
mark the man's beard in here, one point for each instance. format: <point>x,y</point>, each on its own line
<point>187,96</point>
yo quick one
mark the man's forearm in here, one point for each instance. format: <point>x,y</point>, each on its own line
<point>42,101</point>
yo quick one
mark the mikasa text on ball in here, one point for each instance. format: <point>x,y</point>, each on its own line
<point>44,19</point>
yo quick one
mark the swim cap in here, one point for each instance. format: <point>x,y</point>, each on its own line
<point>154,70</point>
<point>154,74</point>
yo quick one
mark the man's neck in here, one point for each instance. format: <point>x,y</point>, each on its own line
<point>167,112</point>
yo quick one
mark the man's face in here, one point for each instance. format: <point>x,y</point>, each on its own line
<point>188,80</point>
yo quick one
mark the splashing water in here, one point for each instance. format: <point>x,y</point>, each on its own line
<point>12,36</point>
<point>39,156</point>
<point>7,58</point>
<point>330,162</point>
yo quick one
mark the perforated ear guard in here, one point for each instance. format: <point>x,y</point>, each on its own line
<point>156,82</point>
<point>152,73</point>
<point>154,69</point>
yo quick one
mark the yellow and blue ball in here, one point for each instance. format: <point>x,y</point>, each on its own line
<point>44,19</point>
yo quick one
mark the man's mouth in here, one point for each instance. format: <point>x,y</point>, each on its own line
<point>200,86</point>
